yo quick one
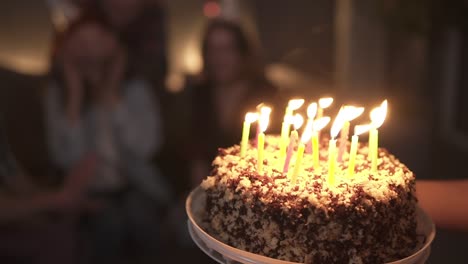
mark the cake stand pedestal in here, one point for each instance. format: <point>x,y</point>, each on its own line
<point>225,254</point>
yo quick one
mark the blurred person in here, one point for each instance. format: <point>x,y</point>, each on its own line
<point>39,225</point>
<point>232,83</point>
<point>95,105</point>
<point>141,26</point>
<point>445,201</point>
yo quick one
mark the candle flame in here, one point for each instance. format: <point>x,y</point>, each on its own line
<point>361,129</point>
<point>378,114</point>
<point>312,110</point>
<point>340,119</point>
<point>265,110</point>
<point>325,102</point>
<point>295,104</point>
<point>251,117</point>
<point>264,118</point>
<point>352,112</point>
<point>347,113</point>
<point>307,134</point>
<point>320,123</point>
<point>289,119</point>
<point>298,121</point>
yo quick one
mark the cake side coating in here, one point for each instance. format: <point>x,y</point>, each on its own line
<point>367,218</point>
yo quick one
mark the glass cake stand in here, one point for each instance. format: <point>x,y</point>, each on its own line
<point>223,253</point>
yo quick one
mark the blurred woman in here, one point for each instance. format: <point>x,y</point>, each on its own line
<point>231,84</point>
<point>93,105</point>
<point>38,224</point>
<point>140,25</point>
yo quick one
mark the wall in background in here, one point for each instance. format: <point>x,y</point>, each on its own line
<point>25,34</point>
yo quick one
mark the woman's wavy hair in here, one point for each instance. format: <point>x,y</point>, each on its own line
<point>252,69</point>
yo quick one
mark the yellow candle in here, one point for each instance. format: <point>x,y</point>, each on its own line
<point>352,155</point>
<point>297,167</point>
<point>319,113</point>
<point>375,151</point>
<point>372,135</point>
<point>332,151</point>
<point>288,114</point>
<point>249,118</point>
<point>284,139</point>
<point>260,149</point>
<point>322,104</point>
<point>300,152</point>
<point>315,150</point>
<point>331,162</point>
<point>263,124</point>
<point>318,125</point>
<point>311,113</point>
<point>245,138</point>
<point>377,116</point>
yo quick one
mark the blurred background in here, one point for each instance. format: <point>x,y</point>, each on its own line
<point>358,51</point>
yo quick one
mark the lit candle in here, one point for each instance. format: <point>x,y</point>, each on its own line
<point>372,135</point>
<point>344,135</point>
<point>249,119</point>
<point>298,121</point>
<point>358,130</point>
<point>311,112</point>
<point>335,129</point>
<point>331,161</point>
<point>318,125</point>
<point>300,154</point>
<point>259,108</point>
<point>323,103</point>
<point>377,118</point>
<point>264,119</point>
<point>350,113</point>
<point>293,105</point>
<point>263,111</point>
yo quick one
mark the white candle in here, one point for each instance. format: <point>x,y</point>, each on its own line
<point>293,105</point>
<point>298,121</point>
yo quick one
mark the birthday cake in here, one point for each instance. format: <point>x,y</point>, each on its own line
<point>369,217</point>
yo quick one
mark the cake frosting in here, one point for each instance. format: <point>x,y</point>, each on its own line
<point>366,218</point>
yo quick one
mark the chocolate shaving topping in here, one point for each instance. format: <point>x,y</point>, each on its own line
<point>370,218</point>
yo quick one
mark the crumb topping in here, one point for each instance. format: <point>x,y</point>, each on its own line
<point>366,218</point>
